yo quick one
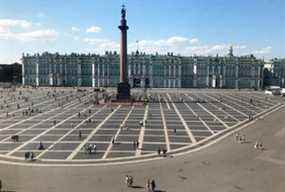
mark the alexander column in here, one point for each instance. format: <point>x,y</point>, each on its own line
<point>123,92</point>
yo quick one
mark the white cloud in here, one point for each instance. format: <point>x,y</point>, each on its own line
<point>75,29</point>
<point>181,41</point>
<point>177,41</point>
<point>176,44</point>
<point>263,51</point>
<point>94,29</point>
<point>102,44</point>
<point>174,41</point>
<point>7,24</point>
<point>38,35</point>
<point>45,35</point>
<point>184,46</point>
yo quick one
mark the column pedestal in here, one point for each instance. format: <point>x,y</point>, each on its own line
<point>123,91</point>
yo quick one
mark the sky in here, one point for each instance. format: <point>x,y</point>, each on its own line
<point>185,27</point>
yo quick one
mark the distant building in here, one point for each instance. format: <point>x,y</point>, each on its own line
<point>144,70</point>
<point>11,73</point>
<point>278,67</point>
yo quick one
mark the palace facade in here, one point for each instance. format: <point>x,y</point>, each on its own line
<point>144,70</point>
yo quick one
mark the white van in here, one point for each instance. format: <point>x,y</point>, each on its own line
<point>273,90</point>
<point>283,92</point>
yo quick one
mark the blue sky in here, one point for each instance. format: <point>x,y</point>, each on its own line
<point>186,27</point>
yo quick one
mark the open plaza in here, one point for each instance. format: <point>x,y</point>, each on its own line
<point>161,137</point>
<point>189,107</point>
<point>60,123</point>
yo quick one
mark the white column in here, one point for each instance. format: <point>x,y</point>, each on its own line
<point>51,79</point>
<point>37,74</point>
<point>108,74</point>
<point>98,75</point>
<point>214,81</point>
<point>174,75</point>
<point>142,82</point>
<point>93,75</point>
<point>164,78</point>
<point>78,75</point>
<point>237,74</point>
<point>224,75</point>
<point>180,75</point>
<point>23,74</point>
<point>150,76</point>
<point>207,76</point>
<point>103,74</point>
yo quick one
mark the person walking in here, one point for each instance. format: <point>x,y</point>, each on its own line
<point>79,134</point>
<point>152,185</point>
<point>148,185</point>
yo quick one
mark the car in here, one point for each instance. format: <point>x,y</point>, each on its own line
<point>283,92</point>
<point>267,92</point>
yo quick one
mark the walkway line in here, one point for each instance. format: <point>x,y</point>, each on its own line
<point>262,100</point>
<point>226,126</point>
<point>68,133</point>
<point>118,132</point>
<point>237,97</point>
<point>168,106</point>
<point>78,148</point>
<point>224,112</point>
<point>38,115</point>
<point>204,123</point>
<point>34,138</point>
<point>26,107</point>
<point>188,130</point>
<point>26,129</point>
<point>240,112</point>
<point>141,136</point>
<point>49,163</point>
<point>240,101</point>
<point>164,127</point>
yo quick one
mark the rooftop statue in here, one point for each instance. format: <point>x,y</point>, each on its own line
<point>123,12</point>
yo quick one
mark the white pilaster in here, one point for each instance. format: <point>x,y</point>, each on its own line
<point>37,74</point>
<point>78,74</point>
<point>93,75</point>
<point>23,74</point>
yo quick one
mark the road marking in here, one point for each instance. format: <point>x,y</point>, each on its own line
<point>68,133</point>
<point>245,107</point>
<point>263,100</point>
<point>200,119</point>
<point>41,134</point>
<point>224,111</point>
<point>223,123</point>
<point>191,136</point>
<point>164,127</point>
<point>49,101</point>
<point>240,112</point>
<point>78,148</point>
<point>167,104</point>
<point>26,129</point>
<point>241,99</point>
<point>38,115</point>
<point>134,161</point>
<point>141,136</point>
<point>212,114</point>
<point>118,132</point>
